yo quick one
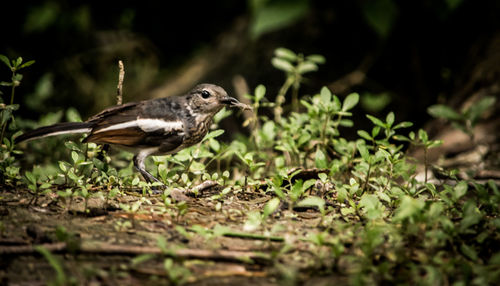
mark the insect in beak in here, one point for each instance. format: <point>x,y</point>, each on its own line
<point>233,102</point>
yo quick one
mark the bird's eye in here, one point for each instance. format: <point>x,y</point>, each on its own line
<point>205,94</point>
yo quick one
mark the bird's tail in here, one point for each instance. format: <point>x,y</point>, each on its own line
<point>56,129</point>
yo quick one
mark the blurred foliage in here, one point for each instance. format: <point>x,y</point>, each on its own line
<point>272,15</point>
<point>380,15</point>
<point>467,119</point>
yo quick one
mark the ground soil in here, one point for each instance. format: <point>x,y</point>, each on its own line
<point>105,239</point>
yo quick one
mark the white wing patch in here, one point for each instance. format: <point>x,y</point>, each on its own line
<point>147,125</point>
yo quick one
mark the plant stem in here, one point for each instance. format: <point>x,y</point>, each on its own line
<point>425,164</point>
<point>295,93</point>
<point>280,99</point>
<point>323,130</point>
<point>3,132</point>
<point>12,91</point>
<point>367,176</point>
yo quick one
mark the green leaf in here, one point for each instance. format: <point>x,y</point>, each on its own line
<point>336,103</point>
<point>307,184</point>
<point>363,151</point>
<point>347,211</point>
<point>17,78</point>
<point>411,135</point>
<point>460,189</point>
<point>268,130</point>
<point>320,159</point>
<point>471,216</point>
<point>270,207</point>
<point>404,124</point>
<point>196,167</point>
<point>319,59</point>
<point>435,210</point>
<point>214,144</point>
<point>495,259</point>
<point>31,177</point>
<point>74,156</point>
<point>162,243</point>
<point>313,201</point>
<point>5,60</point>
<point>469,251</point>
<point>142,258</point>
<point>26,64</point>
<point>341,195</point>
<point>297,190</point>
<point>346,123</point>
<point>285,54</point>
<point>62,166</point>
<point>260,91</point>
<point>282,65</point>
<point>380,15</point>
<point>375,131</point>
<point>443,111</point>
<point>376,121</point>
<point>365,135</point>
<point>375,102</point>
<point>400,138</point>
<point>409,207</point>
<point>213,134</point>
<point>325,95</point>
<point>477,109</point>
<point>389,119</point>
<point>54,263</point>
<point>323,177</point>
<point>422,135</point>
<point>253,221</point>
<point>383,196</point>
<point>350,101</point>
<point>306,67</point>
<point>19,60</point>
<point>135,181</point>
<point>276,15</point>
<point>434,143</point>
<point>372,206</point>
<point>369,201</point>
<point>72,115</point>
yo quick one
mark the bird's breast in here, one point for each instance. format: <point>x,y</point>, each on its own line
<point>196,133</point>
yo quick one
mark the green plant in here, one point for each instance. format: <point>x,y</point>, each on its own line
<point>32,181</point>
<point>6,112</point>
<point>295,66</point>
<point>61,277</point>
<point>466,119</point>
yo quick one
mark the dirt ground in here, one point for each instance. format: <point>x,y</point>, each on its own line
<point>101,245</point>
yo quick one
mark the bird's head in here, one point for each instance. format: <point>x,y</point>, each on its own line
<point>210,99</point>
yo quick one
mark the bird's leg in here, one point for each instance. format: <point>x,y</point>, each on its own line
<point>140,166</point>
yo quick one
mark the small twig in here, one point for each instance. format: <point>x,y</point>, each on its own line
<point>203,186</point>
<point>253,236</point>
<point>121,75</point>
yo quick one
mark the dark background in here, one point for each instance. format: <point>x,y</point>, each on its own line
<point>412,53</point>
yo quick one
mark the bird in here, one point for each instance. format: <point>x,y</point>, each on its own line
<point>159,126</point>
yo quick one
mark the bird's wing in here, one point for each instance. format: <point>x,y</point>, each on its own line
<point>147,123</point>
<point>108,112</point>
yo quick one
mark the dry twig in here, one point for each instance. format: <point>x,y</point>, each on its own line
<point>119,88</point>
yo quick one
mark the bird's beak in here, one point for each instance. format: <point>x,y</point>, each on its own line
<point>233,102</point>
